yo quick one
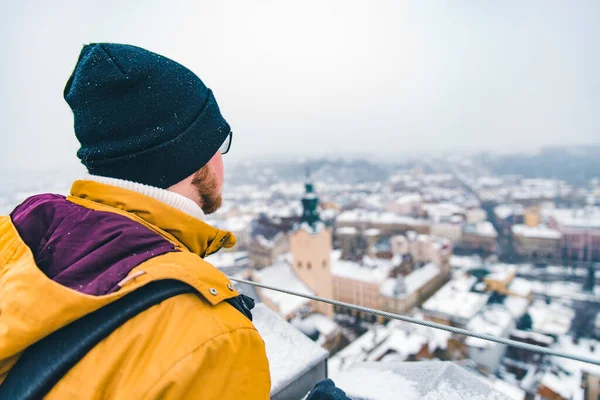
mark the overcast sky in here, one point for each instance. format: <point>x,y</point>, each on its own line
<point>316,77</point>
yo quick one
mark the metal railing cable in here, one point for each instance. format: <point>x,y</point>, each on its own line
<point>429,324</point>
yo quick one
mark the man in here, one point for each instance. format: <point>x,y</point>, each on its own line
<point>151,137</point>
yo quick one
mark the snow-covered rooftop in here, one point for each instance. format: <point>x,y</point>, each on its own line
<point>585,347</point>
<point>266,243</point>
<point>492,320</point>
<point>234,224</point>
<point>226,259</point>
<point>538,189</point>
<point>520,287</point>
<point>409,198</point>
<point>407,340</point>
<point>328,214</point>
<point>412,282</point>
<point>346,230</point>
<point>466,262</point>
<point>359,349</point>
<point>501,272</point>
<point>553,318</point>
<point>312,229</point>
<point>482,228</point>
<point>513,392</point>
<point>566,290</point>
<point>539,232</point>
<point>401,344</point>
<point>504,211</point>
<point>321,323</point>
<point>375,217</point>
<point>372,232</point>
<point>444,210</point>
<point>588,218</point>
<point>566,384</point>
<point>516,306</point>
<point>491,181</point>
<point>366,273</point>
<point>538,337</point>
<point>455,299</point>
<point>282,275</point>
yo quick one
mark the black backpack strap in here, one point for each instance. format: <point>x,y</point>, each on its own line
<point>44,363</point>
<point>243,304</point>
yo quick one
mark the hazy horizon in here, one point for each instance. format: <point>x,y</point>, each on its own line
<point>377,80</point>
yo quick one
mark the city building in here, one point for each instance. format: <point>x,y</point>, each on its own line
<point>400,294</point>
<point>500,277</point>
<point>450,229</point>
<point>532,216</point>
<point>322,330</point>
<point>388,223</point>
<point>268,241</point>
<point>580,230</point>
<point>397,341</point>
<point>479,237</point>
<point>313,268</point>
<point>455,304</point>
<point>410,204</point>
<point>537,243</point>
<point>423,248</point>
<point>493,320</point>
<point>282,275</point>
<point>476,215</point>
<point>359,282</point>
<point>350,242</point>
<point>310,245</point>
<point>507,215</point>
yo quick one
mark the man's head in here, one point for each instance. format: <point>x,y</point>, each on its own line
<point>142,117</point>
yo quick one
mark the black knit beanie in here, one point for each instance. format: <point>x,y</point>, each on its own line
<point>140,116</point>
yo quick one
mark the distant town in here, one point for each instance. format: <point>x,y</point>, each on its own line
<point>485,243</point>
<point>444,239</point>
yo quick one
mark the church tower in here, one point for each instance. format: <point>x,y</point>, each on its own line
<point>310,244</point>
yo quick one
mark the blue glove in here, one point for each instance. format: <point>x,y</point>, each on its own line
<point>326,390</point>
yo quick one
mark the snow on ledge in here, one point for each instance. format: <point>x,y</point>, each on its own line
<point>428,380</point>
<point>291,354</point>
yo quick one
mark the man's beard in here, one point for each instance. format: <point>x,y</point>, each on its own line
<point>207,186</point>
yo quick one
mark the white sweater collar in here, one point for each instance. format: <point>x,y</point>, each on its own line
<point>172,199</point>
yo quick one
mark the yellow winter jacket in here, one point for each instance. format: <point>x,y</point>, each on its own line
<point>192,346</point>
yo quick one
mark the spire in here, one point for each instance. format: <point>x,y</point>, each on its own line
<point>307,183</point>
<point>310,201</point>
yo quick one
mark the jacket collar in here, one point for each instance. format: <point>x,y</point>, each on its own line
<point>191,233</point>
<point>172,199</point>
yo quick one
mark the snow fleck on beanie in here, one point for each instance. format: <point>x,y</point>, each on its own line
<point>140,116</point>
